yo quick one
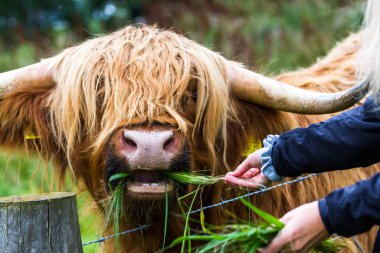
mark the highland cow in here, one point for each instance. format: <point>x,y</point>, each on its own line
<point>142,99</point>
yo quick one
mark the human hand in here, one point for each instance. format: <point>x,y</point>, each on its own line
<point>248,173</point>
<point>303,230</point>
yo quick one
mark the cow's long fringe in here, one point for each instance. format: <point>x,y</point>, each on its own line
<point>138,75</point>
<point>369,56</point>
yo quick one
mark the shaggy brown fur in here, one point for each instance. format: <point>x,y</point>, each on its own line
<point>144,75</point>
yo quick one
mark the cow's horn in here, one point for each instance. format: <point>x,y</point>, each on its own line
<point>38,74</point>
<point>255,88</point>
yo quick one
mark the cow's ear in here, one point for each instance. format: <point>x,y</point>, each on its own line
<point>23,115</point>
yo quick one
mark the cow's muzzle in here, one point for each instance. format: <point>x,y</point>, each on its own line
<point>144,154</point>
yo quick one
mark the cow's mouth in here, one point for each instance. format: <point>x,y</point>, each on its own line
<point>147,182</point>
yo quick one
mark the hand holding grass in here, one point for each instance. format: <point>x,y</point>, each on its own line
<point>251,236</point>
<point>248,173</point>
<point>303,230</point>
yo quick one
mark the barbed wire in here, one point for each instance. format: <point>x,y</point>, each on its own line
<point>254,193</point>
<point>224,202</point>
<point>100,240</point>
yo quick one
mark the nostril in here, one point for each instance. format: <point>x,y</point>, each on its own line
<point>129,139</point>
<point>130,142</point>
<point>168,145</point>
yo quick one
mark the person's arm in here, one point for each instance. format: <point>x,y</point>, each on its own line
<point>354,209</point>
<point>348,140</point>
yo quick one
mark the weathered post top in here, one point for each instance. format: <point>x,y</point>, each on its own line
<point>40,223</point>
<point>36,197</point>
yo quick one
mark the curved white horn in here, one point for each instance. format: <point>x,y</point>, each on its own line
<point>39,74</point>
<point>255,88</point>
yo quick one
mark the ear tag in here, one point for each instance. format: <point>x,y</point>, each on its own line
<point>30,136</point>
<point>253,145</point>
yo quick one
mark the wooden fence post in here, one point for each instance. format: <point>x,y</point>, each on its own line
<point>40,223</point>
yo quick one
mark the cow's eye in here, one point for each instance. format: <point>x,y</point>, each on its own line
<point>194,96</point>
<point>157,123</point>
<point>193,90</point>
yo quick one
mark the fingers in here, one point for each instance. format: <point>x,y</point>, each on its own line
<point>287,217</point>
<point>242,168</point>
<point>252,161</point>
<point>281,241</point>
<point>251,173</point>
<point>248,173</point>
<point>256,182</point>
<point>277,244</point>
<point>228,179</point>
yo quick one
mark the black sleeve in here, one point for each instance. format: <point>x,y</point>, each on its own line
<point>348,140</point>
<point>354,209</point>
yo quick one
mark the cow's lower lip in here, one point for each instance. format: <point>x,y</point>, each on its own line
<point>160,187</point>
<point>144,184</point>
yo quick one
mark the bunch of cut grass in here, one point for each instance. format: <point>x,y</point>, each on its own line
<point>114,209</point>
<point>117,184</point>
<point>114,206</point>
<point>183,177</point>
<point>192,178</point>
<point>247,237</point>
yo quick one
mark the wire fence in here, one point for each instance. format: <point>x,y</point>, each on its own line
<point>100,240</point>
<point>224,202</point>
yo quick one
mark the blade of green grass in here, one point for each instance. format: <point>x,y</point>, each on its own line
<point>191,178</point>
<point>166,215</point>
<point>187,230</point>
<point>118,176</point>
<point>264,215</point>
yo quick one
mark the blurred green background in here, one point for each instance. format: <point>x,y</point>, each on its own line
<point>270,36</point>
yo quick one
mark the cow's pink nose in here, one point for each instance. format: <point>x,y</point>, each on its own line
<point>150,149</point>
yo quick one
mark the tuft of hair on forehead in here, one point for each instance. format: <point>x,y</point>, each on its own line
<point>369,55</point>
<point>137,73</point>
